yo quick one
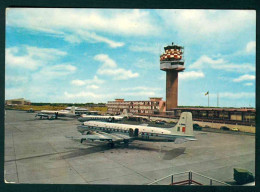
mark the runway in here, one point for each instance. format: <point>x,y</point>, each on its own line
<point>49,151</point>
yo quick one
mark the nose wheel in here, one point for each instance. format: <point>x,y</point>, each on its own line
<point>111,145</point>
<point>126,143</point>
<point>81,140</point>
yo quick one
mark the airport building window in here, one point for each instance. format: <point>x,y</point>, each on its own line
<point>178,129</point>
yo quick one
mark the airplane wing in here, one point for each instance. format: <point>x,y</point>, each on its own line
<point>180,140</point>
<point>190,139</point>
<point>102,136</point>
<point>44,115</point>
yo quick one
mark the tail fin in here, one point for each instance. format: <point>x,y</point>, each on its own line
<point>72,110</point>
<point>184,125</point>
<point>124,113</point>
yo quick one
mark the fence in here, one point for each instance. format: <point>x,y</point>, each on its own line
<point>187,178</point>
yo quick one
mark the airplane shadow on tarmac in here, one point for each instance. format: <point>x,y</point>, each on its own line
<point>171,154</point>
<point>168,154</point>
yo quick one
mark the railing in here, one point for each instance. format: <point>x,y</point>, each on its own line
<point>187,178</point>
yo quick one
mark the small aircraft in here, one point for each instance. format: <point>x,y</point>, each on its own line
<point>115,132</point>
<point>108,118</point>
<point>54,114</point>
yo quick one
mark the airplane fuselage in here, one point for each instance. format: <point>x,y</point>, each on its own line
<point>133,131</point>
<point>99,117</point>
<point>60,113</point>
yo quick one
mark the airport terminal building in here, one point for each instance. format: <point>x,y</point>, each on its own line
<point>157,107</point>
<point>155,104</point>
<point>20,101</point>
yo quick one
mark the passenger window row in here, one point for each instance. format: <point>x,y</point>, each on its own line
<point>109,129</point>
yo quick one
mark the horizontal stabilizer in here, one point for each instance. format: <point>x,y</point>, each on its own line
<point>190,139</point>
<point>180,140</point>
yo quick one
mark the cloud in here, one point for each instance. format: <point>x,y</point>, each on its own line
<point>219,24</point>
<point>78,82</point>
<point>92,87</point>
<point>244,78</point>
<point>93,38</point>
<point>33,58</point>
<point>142,88</point>
<point>251,47</point>
<point>139,93</point>
<point>155,49</point>
<point>118,74</point>
<point>95,80</point>
<point>107,61</point>
<point>109,67</point>
<point>14,93</point>
<point>15,79</point>
<point>248,84</point>
<point>77,25</point>
<point>54,72</point>
<point>220,64</point>
<point>191,75</point>
<point>82,94</point>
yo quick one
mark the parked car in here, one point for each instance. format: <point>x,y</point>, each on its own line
<point>196,127</point>
<point>224,128</point>
<point>30,110</point>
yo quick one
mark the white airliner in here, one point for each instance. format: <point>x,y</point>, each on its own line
<point>49,114</point>
<point>114,132</point>
<point>108,118</point>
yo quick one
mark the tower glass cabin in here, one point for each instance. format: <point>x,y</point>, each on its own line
<point>172,62</point>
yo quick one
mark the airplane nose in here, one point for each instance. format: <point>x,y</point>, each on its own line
<point>80,119</point>
<point>79,128</point>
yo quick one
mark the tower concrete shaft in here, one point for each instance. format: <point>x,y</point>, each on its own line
<point>171,89</point>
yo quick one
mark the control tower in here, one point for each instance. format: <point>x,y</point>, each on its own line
<point>172,62</point>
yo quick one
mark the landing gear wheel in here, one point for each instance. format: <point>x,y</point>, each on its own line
<point>126,143</point>
<point>111,145</point>
<point>81,140</point>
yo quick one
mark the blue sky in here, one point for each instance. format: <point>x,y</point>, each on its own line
<point>97,55</point>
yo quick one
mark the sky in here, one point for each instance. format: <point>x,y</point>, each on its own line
<point>97,55</point>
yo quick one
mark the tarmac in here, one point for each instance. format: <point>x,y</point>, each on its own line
<point>49,151</point>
